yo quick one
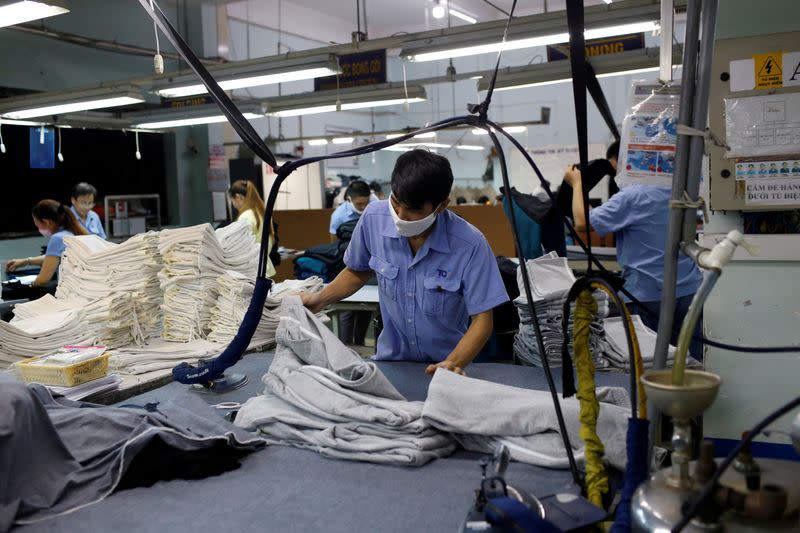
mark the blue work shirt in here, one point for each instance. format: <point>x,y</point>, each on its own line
<point>426,300</point>
<point>342,214</point>
<point>638,216</point>
<point>93,224</point>
<point>55,244</point>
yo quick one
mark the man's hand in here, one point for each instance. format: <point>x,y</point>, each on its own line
<point>15,264</point>
<point>573,176</point>
<point>447,365</point>
<point>312,301</point>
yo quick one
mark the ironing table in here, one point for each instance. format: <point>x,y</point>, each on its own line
<point>289,489</point>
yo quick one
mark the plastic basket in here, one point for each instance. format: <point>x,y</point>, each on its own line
<point>63,376</point>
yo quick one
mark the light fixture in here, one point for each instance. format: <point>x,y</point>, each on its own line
<point>473,147</point>
<point>438,10</point>
<point>427,135</point>
<point>535,30</point>
<point>508,129</point>
<point>60,156</point>
<point>632,62</point>
<point>60,103</point>
<point>177,123</point>
<point>190,116</point>
<point>19,11</point>
<point>317,142</point>
<point>345,100</point>
<point>463,16</point>
<point>20,122</point>
<point>342,140</point>
<point>252,73</point>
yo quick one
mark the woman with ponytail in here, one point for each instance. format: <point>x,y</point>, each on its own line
<point>250,206</point>
<point>54,221</point>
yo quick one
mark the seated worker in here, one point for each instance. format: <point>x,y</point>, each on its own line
<point>377,191</point>
<point>54,221</point>
<point>438,280</point>
<point>83,197</point>
<point>638,217</point>
<point>248,203</point>
<point>353,325</point>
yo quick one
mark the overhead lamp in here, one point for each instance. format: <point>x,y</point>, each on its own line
<point>345,100</point>
<point>427,135</point>
<point>438,10</point>
<point>317,142</point>
<point>509,129</point>
<point>473,147</point>
<point>632,62</point>
<point>19,11</point>
<point>463,16</point>
<point>342,140</point>
<point>60,103</point>
<point>252,73</point>
<point>189,116</point>
<point>10,122</point>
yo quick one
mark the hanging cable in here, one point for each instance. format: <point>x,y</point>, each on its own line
<point>59,155</point>
<point>138,153</point>
<point>405,87</point>
<point>158,60</point>
<point>2,144</point>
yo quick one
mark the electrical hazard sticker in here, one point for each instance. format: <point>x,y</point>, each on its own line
<point>769,74</point>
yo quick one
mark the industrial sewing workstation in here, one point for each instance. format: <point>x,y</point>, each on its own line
<point>315,266</point>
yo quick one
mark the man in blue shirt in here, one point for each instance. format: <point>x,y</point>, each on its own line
<point>83,197</point>
<point>638,216</point>
<point>437,277</point>
<point>356,198</point>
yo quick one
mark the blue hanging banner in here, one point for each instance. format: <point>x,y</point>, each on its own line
<point>43,147</point>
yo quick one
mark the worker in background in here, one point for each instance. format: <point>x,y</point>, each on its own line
<point>438,280</point>
<point>637,215</point>
<point>83,198</point>
<point>377,191</point>
<point>54,221</point>
<point>353,325</point>
<point>248,203</point>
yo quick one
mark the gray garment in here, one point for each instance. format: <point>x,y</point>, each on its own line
<point>482,414</point>
<point>321,395</point>
<point>58,456</point>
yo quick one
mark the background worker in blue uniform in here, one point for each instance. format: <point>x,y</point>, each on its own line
<point>83,198</point>
<point>438,279</point>
<point>353,325</point>
<point>638,216</point>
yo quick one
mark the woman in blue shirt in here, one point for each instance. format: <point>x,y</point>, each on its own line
<point>83,197</point>
<point>54,221</point>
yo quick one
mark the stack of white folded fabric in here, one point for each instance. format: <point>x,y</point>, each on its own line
<point>194,258</point>
<point>616,344</point>
<point>234,293</point>
<point>551,279</point>
<point>42,333</point>
<point>116,285</point>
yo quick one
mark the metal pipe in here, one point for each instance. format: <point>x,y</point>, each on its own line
<point>667,308</point>
<point>667,31</point>
<point>700,115</point>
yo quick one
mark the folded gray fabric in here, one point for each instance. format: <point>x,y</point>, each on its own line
<point>481,414</point>
<point>58,456</point>
<point>321,395</point>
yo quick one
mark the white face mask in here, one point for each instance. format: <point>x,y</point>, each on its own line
<point>412,228</point>
<point>45,232</point>
<point>355,209</point>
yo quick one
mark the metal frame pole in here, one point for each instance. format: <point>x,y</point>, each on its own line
<point>667,31</point>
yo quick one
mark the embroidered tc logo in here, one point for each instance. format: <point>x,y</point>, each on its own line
<point>442,273</point>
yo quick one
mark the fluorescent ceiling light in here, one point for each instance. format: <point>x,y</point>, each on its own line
<point>427,135</point>
<point>566,80</point>
<point>317,142</point>
<point>542,40</point>
<point>27,10</point>
<point>343,140</point>
<point>509,129</point>
<point>463,16</point>
<point>63,102</point>
<point>253,81</point>
<point>473,147</point>
<point>348,100</point>
<point>438,11</point>
<point>7,122</point>
<point>164,124</point>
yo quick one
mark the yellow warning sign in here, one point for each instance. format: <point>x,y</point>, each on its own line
<point>769,74</point>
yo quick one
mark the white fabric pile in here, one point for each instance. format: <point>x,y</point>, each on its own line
<point>234,292</point>
<point>41,333</point>
<point>321,395</point>
<point>194,258</point>
<point>159,354</point>
<point>616,345</point>
<point>116,285</point>
<point>550,280</point>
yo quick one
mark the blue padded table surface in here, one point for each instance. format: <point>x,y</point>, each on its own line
<point>288,489</point>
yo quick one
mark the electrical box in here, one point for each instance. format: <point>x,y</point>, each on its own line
<point>755,109</point>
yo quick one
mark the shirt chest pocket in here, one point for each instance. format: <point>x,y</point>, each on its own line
<point>441,296</point>
<point>387,276</point>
